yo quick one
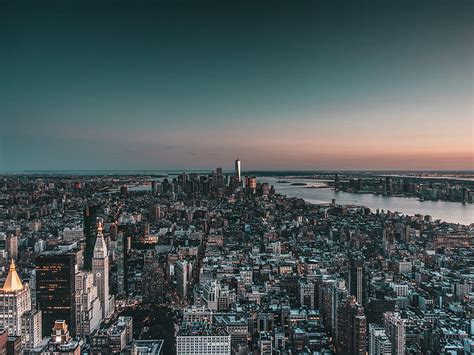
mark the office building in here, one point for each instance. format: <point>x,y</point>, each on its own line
<point>88,307</point>
<point>154,214</point>
<point>12,246</point>
<point>306,291</point>
<point>182,272</point>
<point>357,281</point>
<point>395,329</point>
<point>121,261</point>
<point>352,325</point>
<point>238,173</point>
<point>56,289</point>
<point>15,300</point>
<point>379,344</point>
<point>90,233</point>
<point>31,329</point>
<point>100,270</point>
<point>202,339</point>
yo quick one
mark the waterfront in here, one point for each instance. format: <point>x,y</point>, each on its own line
<point>453,212</point>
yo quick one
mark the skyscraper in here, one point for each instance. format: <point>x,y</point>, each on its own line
<point>181,272</point>
<point>395,329</point>
<point>357,281</point>
<point>154,188</point>
<point>88,311</point>
<point>31,329</point>
<point>55,289</point>
<point>121,257</point>
<point>238,175</point>
<point>12,246</point>
<point>337,182</point>
<point>388,241</point>
<point>154,213</point>
<point>351,325</point>
<point>90,233</point>
<point>100,269</point>
<point>379,344</point>
<point>15,300</point>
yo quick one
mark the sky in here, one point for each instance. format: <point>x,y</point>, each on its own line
<point>310,85</point>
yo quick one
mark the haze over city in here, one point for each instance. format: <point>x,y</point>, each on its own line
<point>191,85</point>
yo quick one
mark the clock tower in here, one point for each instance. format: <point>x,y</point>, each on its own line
<point>100,269</point>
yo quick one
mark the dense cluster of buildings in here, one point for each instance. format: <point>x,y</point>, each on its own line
<point>425,188</point>
<point>237,268</point>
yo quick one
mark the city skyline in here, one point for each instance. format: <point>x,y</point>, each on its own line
<point>172,85</point>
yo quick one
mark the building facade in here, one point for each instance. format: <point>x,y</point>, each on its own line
<point>56,289</point>
<point>15,300</point>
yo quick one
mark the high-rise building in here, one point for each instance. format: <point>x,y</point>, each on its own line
<point>379,344</point>
<point>251,184</point>
<point>153,279</point>
<point>216,296</point>
<point>100,269</point>
<point>395,329</point>
<point>12,246</point>
<point>337,182</point>
<point>15,300</point>
<point>388,241</point>
<point>31,329</point>
<point>306,290</point>
<point>351,325</point>
<point>199,339</point>
<point>90,232</point>
<point>121,260</point>
<point>333,292</point>
<point>388,186</point>
<point>88,308</point>
<point>237,327</point>
<point>154,214</point>
<point>113,230</point>
<point>357,281</point>
<point>56,289</point>
<point>3,245</point>
<point>182,271</point>
<point>154,188</point>
<point>238,175</point>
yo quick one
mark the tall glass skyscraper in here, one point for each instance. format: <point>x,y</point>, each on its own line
<point>238,175</point>
<point>56,289</point>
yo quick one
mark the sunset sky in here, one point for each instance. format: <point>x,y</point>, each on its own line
<point>194,84</point>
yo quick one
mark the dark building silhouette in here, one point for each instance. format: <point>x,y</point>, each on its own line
<point>337,182</point>
<point>351,328</point>
<point>55,290</point>
<point>377,307</point>
<point>357,281</point>
<point>90,233</point>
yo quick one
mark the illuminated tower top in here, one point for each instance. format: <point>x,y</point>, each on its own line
<point>13,282</point>
<point>237,170</point>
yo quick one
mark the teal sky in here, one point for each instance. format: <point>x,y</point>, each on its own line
<point>193,84</point>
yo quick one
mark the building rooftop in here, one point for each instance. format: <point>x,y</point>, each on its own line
<point>13,282</point>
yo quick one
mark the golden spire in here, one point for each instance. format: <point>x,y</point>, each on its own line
<point>13,282</point>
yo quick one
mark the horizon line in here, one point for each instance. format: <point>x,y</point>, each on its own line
<point>30,171</point>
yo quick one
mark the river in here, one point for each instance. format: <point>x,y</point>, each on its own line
<point>453,212</point>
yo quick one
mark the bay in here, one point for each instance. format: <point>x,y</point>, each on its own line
<point>453,212</point>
